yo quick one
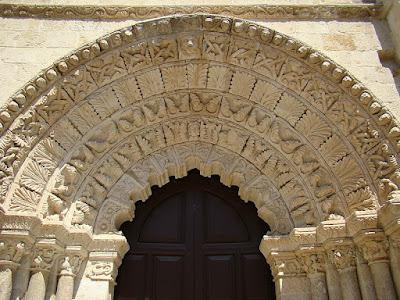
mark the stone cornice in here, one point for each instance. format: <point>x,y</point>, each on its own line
<point>260,12</point>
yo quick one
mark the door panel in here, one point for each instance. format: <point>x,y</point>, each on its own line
<point>194,239</point>
<point>168,277</point>
<point>135,266</point>
<point>222,223</point>
<point>166,223</point>
<point>253,273</point>
<point>220,276</point>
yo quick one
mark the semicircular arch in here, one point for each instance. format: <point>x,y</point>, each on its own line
<point>289,112</point>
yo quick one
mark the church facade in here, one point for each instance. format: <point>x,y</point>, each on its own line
<point>297,108</point>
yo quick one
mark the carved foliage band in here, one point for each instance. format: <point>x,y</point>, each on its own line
<point>326,145</point>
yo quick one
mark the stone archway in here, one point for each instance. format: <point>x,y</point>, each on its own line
<point>301,138</point>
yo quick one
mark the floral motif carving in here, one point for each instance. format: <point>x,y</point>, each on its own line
<point>144,12</point>
<point>292,120</point>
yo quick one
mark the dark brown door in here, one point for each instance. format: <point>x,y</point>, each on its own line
<point>195,239</point>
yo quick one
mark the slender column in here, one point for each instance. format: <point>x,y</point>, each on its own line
<point>314,266</point>
<point>11,252</point>
<point>21,278</point>
<point>100,273</point>
<point>375,249</point>
<point>389,219</point>
<point>333,282</point>
<point>43,258</point>
<point>343,257</point>
<point>394,252</point>
<point>290,279</point>
<point>65,287</point>
<point>5,282</point>
<point>365,278</point>
<point>37,286</point>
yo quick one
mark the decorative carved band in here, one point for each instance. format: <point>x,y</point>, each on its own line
<point>144,12</point>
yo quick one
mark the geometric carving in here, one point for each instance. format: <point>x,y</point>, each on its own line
<point>262,111</point>
<point>251,92</point>
<point>136,57</point>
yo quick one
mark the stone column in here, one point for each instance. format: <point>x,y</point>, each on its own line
<point>289,276</point>
<point>37,285</point>
<point>314,266</point>
<point>394,254</point>
<point>5,280</point>
<point>11,253</point>
<point>99,278</point>
<point>343,257</point>
<point>21,278</point>
<point>333,281</point>
<point>376,251</point>
<point>65,287</point>
<point>389,219</point>
<point>365,278</point>
<point>43,258</point>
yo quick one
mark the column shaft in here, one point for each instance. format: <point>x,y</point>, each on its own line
<point>383,280</point>
<point>366,282</point>
<point>5,283</point>
<point>21,279</point>
<point>333,282</point>
<point>395,263</point>
<point>65,287</point>
<point>293,287</point>
<point>37,286</point>
<point>318,286</point>
<point>349,284</point>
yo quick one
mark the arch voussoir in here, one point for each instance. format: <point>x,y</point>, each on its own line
<point>298,135</point>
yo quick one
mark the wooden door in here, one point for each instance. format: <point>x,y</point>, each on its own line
<point>195,239</point>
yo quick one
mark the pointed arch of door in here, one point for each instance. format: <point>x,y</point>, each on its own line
<point>194,238</point>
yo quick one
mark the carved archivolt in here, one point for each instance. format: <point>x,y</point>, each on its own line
<point>299,136</point>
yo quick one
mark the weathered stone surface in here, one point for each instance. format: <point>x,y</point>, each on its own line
<point>301,138</point>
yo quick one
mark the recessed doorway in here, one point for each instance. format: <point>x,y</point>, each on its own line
<point>194,238</point>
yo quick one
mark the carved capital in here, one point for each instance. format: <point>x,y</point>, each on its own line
<point>103,266</point>
<point>70,265</point>
<point>102,270</point>
<point>313,262</point>
<point>66,267</point>
<point>11,252</point>
<point>45,253</point>
<point>285,265</point>
<point>342,256</point>
<point>395,243</point>
<point>375,249</point>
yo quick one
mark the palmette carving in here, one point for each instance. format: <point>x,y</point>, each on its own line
<point>300,137</point>
<point>311,134</point>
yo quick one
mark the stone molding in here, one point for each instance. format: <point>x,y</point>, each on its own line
<point>300,137</point>
<point>257,12</point>
<point>278,97</point>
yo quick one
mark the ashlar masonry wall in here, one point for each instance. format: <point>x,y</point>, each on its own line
<point>28,45</point>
